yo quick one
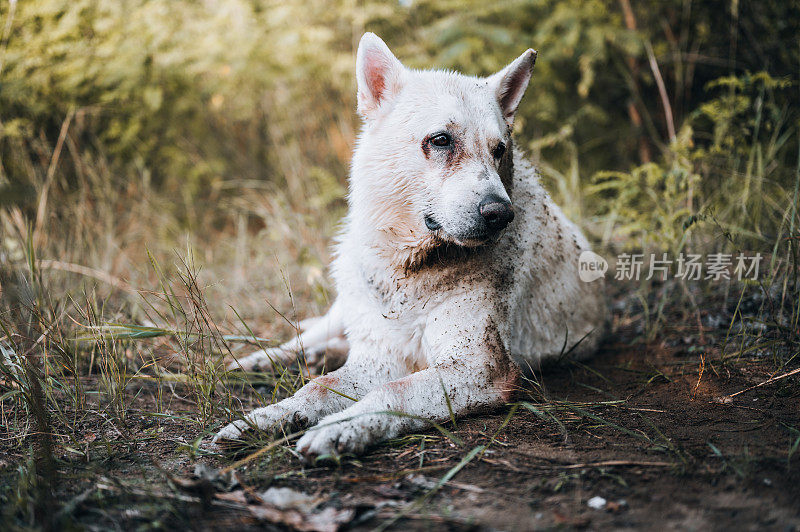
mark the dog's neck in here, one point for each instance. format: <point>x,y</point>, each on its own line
<point>399,250</point>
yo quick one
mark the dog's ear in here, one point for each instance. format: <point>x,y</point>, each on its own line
<point>378,74</point>
<point>510,83</point>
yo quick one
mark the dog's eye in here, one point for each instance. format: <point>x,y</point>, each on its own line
<point>499,150</point>
<point>442,140</point>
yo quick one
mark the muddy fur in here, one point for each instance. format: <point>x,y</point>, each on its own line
<point>433,300</point>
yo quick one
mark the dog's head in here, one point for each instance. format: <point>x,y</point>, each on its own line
<point>433,164</point>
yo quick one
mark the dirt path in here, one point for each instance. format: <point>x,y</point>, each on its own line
<point>656,469</point>
<point>630,433</point>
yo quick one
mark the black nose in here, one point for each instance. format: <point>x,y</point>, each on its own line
<point>496,212</point>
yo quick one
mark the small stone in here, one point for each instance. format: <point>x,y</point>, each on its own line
<point>596,503</point>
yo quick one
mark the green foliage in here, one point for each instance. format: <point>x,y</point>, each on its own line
<point>652,201</point>
<point>103,101</point>
<point>732,162</point>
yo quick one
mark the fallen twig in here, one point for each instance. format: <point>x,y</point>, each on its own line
<point>768,381</point>
<point>609,463</point>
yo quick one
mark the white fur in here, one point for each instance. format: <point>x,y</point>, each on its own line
<point>432,312</point>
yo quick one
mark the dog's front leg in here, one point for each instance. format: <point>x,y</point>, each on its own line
<point>320,397</point>
<point>473,374</point>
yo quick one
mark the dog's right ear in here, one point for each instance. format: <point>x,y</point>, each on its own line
<point>378,73</point>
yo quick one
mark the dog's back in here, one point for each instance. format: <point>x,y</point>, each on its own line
<point>555,314</point>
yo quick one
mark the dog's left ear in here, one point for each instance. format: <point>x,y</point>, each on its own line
<point>378,74</point>
<point>510,83</point>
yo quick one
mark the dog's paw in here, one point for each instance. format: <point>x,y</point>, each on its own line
<point>231,431</point>
<point>270,418</point>
<point>334,439</point>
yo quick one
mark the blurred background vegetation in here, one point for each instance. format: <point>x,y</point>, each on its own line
<point>224,128</point>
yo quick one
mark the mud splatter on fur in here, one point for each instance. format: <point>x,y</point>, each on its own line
<point>442,316</point>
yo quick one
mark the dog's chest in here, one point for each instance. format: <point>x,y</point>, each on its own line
<point>393,299</point>
<point>395,314</point>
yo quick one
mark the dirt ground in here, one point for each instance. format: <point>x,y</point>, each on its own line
<point>635,438</point>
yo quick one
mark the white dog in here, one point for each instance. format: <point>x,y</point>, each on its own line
<point>444,288</point>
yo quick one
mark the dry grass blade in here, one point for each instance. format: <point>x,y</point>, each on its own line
<point>88,272</point>
<point>121,331</point>
<point>449,405</point>
<point>267,448</point>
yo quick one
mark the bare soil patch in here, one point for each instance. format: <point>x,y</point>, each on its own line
<point>634,438</point>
